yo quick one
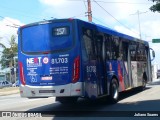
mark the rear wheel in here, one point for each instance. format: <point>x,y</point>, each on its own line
<point>67,100</point>
<point>114,93</point>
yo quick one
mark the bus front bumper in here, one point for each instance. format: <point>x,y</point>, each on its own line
<point>71,89</point>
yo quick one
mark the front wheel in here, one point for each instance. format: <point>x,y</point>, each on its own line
<point>114,93</point>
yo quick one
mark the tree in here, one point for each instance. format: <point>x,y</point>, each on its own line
<point>8,54</point>
<point>155,7</point>
<point>2,45</point>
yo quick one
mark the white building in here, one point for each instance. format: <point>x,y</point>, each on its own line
<point>155,67</point>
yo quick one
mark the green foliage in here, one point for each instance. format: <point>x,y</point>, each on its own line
<point>155,7</point>
<point>8,54</point>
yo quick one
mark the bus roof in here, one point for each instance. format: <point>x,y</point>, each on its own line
<point>114,32</point>
<point>97,26</point>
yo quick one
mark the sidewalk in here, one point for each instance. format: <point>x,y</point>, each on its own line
<point>9,91</point>
<point>156,80</point>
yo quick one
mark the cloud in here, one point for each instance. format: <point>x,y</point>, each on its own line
<point>151,28</point>
<point>8,28</point>
<point>63,8</point>
<point>57,8</point>
<point>131,32</point>
<point>53,2</point>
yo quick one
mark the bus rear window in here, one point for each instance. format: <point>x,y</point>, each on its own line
<point>47,37</point>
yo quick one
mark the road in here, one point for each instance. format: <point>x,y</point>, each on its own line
<point>134,101</point>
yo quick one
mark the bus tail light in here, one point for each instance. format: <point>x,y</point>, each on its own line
<point>22,79</point>
<point>76,69</point>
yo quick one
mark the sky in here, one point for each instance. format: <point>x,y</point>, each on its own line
<point>120,15</point>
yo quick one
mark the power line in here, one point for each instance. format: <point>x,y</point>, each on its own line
<point>111,2</point>
<point>114,17</point>
<point>78,15</point>
<point>85,4</point>
<point>10,21</point>
<point>12,26</point>
<point>22,12</point>
<point>123,2</point>
<point>101,22</point>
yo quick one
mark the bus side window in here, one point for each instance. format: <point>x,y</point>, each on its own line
<point>88,43</point>
<point>125,51</point>
<point>138,53</point>
<point>115,44</point>
<point>133,55</point>
<point>108,47</point>
<point>98,46</point>
<point>133,50</point>
<point>120,55</point>
<point>141,53</point>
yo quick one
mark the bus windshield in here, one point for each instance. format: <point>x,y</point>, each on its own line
<point>46,37</point>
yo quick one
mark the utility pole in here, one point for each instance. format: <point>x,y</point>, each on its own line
<point>139,24</point>
<point>89,11</point>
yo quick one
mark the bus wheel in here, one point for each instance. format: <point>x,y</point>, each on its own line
<point>114,93</point>
<point>67,100</point>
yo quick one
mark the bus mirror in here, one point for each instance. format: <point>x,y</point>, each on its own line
<point>153,54</point>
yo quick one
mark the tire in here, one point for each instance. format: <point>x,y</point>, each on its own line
<point>67,100</point>
<point>114,93</point>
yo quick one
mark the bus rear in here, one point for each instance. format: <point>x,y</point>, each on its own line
<point>49,59</point>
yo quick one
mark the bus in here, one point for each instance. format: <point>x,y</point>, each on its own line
<point>72,58</point>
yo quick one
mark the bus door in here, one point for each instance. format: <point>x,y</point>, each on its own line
<point>99,46</point>
<point>141,64</point>
<point>125,66</point>
<point>132,65</point>
<point>89,64</point>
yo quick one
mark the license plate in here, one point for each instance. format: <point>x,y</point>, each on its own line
<point>46,78</point>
